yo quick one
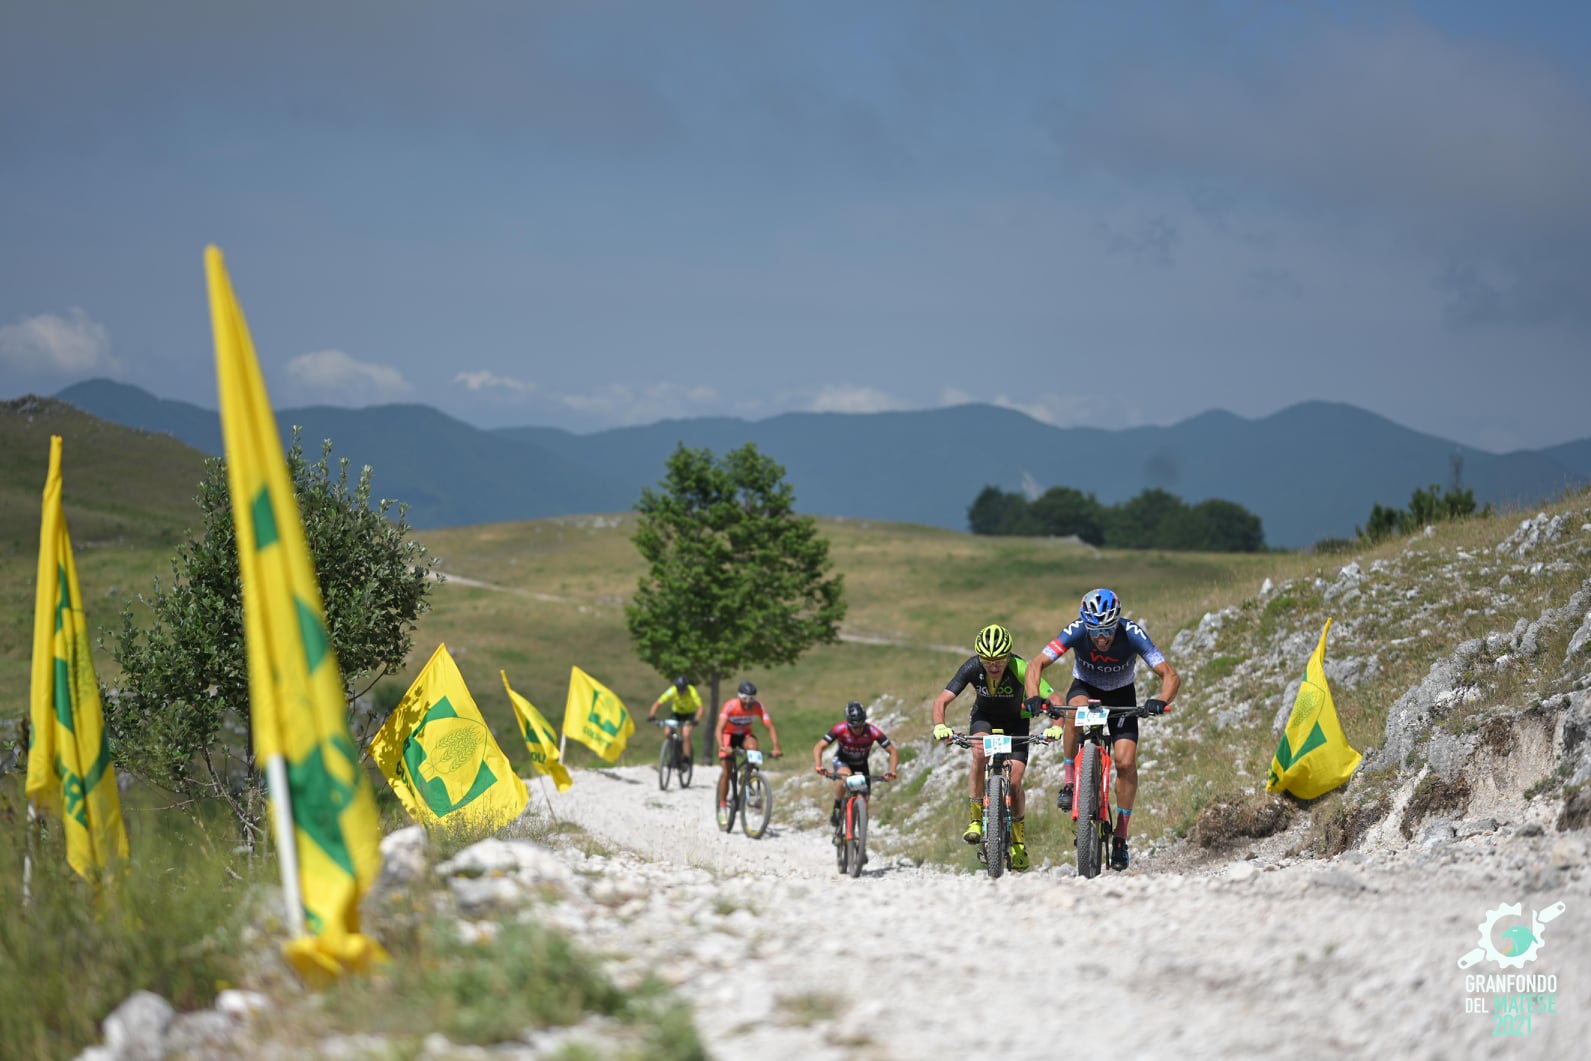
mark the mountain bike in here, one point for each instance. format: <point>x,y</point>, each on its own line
<point>850,832</point>
<point>1091,792</point>
<point>750,798</point>
<point>671,757</point>
<point>994,851</point>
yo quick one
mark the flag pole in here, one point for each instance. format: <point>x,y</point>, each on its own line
<point>286,841</point>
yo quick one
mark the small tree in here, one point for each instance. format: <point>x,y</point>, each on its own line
<point>180,717</point>
<point>735,577</point>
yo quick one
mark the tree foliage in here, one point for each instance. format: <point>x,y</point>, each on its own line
<point>1155,519</point>
<point>1426,506</point>
<point>735,578</point>
<point>179,718</point>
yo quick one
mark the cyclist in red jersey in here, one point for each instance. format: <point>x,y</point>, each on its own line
<point>734,731</point>
<point>857,737</point>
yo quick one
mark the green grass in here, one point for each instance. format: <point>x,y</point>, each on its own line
<point>174,926</point>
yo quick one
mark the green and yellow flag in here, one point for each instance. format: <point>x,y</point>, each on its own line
<point>441,758</point>
<point>69,767</point>
<point>595,717</point>
<point>325,821</point>
<point>1313,757</point>
<point>541,740</point>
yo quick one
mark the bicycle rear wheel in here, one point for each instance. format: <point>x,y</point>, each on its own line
<point>665,758</point>
<point>726,810</point>
<point>756,805</point>
<point>994,842</point>
<point>1089,860</point>
<point>684,765</point>
<point>858,841</point>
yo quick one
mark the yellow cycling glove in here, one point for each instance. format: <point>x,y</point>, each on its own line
<point>1054,733</point>
<point>941,732</point>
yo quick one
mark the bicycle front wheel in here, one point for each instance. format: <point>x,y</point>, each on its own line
<point>756,804</point>
<point>685,765</point>
<point>858,841</point>
<point>994,841</point>
<point>1086,793</point>
<point>664,763</point>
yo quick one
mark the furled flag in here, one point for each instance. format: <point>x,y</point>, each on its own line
<point>595,717</point>
<point>541,740</point>
<point>441,758</point>
<point>69,767</point>
<point>323,807</point>
<point>1313,757</point>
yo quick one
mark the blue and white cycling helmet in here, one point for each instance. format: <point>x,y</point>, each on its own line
<point>1100,611</point>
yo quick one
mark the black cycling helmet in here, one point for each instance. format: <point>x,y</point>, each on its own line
<point>680,683</point>
<point>747,689</point>
<point>855,713</point>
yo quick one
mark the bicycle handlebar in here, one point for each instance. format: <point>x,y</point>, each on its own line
<point>1140,711</point>
<point>967,740</point>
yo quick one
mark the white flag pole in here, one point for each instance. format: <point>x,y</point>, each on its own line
<point>286,841</point>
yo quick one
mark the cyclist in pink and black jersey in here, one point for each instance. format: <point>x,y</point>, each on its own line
<point>1105,652</point>
<point>856,737</point>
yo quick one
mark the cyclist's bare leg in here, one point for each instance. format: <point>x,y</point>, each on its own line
<point>685,736</point>
<point>839,786</point>
<point>1126,756</point>
<point>975,783</point>
<point>726,759</point>
<point>1069,740</point>
<point>1018,800</point>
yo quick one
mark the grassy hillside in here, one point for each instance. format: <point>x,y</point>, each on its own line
<point>128,497</point>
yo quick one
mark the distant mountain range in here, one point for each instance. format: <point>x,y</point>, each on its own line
<point>1311,471</point>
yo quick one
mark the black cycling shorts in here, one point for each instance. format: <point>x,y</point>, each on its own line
<point>1122,727</point>
<point>855,768</point>
<point>1010,721</point>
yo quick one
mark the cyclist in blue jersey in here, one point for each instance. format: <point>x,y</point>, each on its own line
<point>1105,652</point>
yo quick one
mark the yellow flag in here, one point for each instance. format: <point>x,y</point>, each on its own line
<point>1313,757</point>
<point>541,740</point>
<point>595,717</point>
<point>296,697</point>
<point>69,767</point>
<point>441,758</point>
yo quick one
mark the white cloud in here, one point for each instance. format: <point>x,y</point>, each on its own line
<point>75,345</point>
<point>619,403</point>
<point>483,379</point>
<point>842,398</point>
<point>332,374</point>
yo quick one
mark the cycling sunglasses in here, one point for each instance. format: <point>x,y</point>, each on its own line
<point>1101,632</point>
<point>999,661</point>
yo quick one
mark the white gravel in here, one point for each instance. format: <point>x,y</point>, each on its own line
<point>782,957</point>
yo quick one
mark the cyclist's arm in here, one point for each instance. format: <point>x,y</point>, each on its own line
<point>817,751</point>
<point>773,734</point>
<point>1170,680</point>
<point>652,714</point>
<point>894,757</point>
<point>941,702</point>
<point>1035,675</point>
<point>718,730</point>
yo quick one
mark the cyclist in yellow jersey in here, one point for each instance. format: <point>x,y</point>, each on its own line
<point>686,705</point>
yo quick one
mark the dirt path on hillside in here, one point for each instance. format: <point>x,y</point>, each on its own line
<point>781,957</point>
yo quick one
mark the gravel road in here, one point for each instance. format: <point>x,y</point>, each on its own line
<point>780,956</point>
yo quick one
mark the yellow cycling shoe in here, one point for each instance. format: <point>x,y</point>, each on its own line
<point>974,833</point>
<point>1019,857</point>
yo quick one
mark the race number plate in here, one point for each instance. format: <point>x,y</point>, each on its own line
<point>856,782</point>
<point>997,744</point>
<point>1092,716</point>
<point>754,756</point>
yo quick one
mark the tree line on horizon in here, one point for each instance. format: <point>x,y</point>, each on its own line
<point>1155,519</point>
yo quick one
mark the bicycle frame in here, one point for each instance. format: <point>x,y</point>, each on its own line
<point>997,748</point>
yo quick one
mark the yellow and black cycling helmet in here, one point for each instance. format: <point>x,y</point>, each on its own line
<point>993,642</point>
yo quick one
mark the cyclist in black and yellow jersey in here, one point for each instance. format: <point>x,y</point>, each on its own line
<point>996,676</point>
<point>686,704</point>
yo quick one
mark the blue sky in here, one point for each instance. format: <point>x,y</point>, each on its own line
<point>597,213</point>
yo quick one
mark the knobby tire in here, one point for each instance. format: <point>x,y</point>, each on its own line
<point>726,813</point>
<point>858,841</point>
<point>1086,793</point>
<point>665,762</point>
<point>994,842</point>
<point>685,766</point>
<point>756,805</point>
